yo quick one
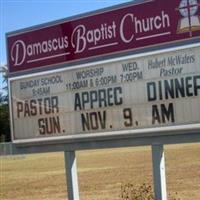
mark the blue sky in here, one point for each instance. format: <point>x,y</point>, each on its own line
<point>18,14</point>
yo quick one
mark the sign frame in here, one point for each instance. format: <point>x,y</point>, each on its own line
<point>88,137</point>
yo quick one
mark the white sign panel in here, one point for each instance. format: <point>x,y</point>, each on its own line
<point>161,90</point>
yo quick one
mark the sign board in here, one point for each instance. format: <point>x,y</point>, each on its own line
<point>160,90</point>
<point>140,24</point>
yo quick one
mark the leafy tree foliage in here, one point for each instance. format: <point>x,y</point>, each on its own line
<point>4,108</point>
<point>4,123</point>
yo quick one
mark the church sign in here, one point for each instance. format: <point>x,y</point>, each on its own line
<point>158,91</point>
<point>120,30</point>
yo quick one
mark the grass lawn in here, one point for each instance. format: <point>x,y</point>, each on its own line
<point>101,173</point>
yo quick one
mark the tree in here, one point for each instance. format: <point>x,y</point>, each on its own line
<point>4,72</point>
<point>5,135</point>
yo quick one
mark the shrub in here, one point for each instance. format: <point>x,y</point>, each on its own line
<point>134,192</point>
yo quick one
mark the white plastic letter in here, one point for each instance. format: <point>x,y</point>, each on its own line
<point>122,28</point>
<point>79,36</point>
<point>17,48</point>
